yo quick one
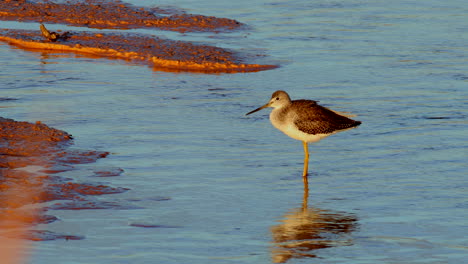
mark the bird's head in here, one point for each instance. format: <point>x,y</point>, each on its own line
<point>278,100</point>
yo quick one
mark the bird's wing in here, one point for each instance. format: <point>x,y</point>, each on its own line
<point>316,119</point>
<point>44,31</point>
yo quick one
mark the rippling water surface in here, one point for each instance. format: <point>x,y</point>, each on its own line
<point>209,185</point>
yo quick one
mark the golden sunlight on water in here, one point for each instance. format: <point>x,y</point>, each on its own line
<point>305,229</point>
<point>16,219</point>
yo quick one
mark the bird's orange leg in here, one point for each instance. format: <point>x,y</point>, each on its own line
<point>306,159</point>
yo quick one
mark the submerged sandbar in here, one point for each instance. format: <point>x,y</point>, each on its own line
<point>162,54</point>
<point>32,157</point>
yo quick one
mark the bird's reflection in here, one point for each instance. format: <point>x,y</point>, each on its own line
<point>306,229</point>
<point>45,57</point>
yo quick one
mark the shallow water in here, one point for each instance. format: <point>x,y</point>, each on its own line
<point>209,185</point>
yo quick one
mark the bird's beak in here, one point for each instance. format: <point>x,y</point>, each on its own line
<point>258,109</point>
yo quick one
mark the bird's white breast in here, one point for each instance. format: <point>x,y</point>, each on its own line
<point>284,121</point>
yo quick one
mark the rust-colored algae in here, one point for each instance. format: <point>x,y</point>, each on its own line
<point>32,156</point>
<point>110,14</point>
<point>162,54</point>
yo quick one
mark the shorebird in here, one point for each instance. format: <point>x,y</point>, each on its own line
<point>52,36</point>
<point>305,120</point>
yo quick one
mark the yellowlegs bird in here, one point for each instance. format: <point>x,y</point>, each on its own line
<point>305,120</point>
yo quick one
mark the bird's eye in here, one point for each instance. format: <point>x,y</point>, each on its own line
<point>277,98</point>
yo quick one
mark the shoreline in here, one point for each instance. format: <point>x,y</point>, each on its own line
<point>161,54</point>
<point>33,156</point>
<point>112,15</point>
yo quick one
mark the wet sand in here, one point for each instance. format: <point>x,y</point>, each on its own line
<point>162,54</point>
<point>32,158</point>
<point>112,15</point>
